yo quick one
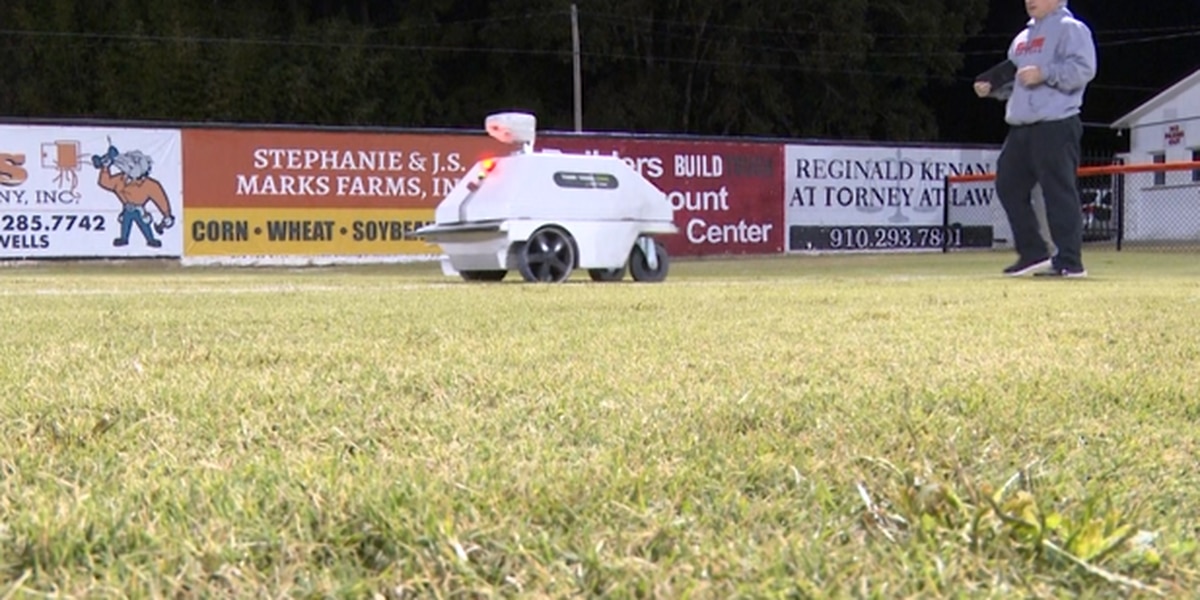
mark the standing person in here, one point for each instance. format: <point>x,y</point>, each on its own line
<point>1055,59</point>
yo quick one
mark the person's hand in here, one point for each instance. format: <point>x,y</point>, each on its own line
<point>982,89</point>
<point>1030,76</point>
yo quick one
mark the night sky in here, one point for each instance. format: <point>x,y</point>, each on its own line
<point>1143,48</point>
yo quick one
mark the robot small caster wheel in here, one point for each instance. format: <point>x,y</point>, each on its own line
<point>483,275</point>
<point>648,261</point>
<point>607,274</point>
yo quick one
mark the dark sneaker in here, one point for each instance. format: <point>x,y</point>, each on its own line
<point>1024,267</point>
<point>1062,272</point>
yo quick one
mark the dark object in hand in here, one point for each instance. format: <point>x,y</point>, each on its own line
<point>1000,75</point>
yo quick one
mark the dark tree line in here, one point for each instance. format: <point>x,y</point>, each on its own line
<point>796,68</point>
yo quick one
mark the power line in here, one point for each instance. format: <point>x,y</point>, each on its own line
<point>1146,40</point>
<point>563,53</point>
<point>902,54</point>
<point>400,27</point>
<point>186,39</point>
<point>479,21</point>
<point>621,18</point>
<point>148,38</point>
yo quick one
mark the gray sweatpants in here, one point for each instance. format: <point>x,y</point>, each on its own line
<point>1045,153</point>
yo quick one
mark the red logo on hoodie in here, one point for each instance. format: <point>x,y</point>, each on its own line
<point>1033,46</point>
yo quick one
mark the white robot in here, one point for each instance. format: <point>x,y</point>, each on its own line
<point>547,213</point>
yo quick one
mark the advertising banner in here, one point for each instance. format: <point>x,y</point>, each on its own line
<point>881,198</point>
<point>328,194</point>
<point>86,192</point>
<point>726,195</point>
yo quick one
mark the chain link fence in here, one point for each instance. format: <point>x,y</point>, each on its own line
<point>1152,206</point>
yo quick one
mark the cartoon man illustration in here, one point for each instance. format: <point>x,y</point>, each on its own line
<point>135,188</point>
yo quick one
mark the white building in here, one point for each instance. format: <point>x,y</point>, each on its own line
<point>1164,206</point>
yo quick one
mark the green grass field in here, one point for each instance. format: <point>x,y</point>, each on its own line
<point>867,426</point>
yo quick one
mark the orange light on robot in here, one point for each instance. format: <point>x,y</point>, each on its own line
<point>485,166</point>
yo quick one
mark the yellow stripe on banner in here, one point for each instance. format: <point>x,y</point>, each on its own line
<point>293,231</point>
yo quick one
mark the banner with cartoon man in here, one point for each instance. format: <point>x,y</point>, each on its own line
<point>89,192</point>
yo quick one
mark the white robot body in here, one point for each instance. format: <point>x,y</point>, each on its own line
<point>545,214</point>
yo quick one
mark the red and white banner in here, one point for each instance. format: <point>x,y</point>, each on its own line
<point>727,196</point>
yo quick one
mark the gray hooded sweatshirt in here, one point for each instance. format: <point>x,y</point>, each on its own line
<point>1062,47</point>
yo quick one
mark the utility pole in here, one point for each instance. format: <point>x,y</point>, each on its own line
<point>575,55</point>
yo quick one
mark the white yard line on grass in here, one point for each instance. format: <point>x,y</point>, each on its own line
<point>184,291</point>
<point>140,290</point>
